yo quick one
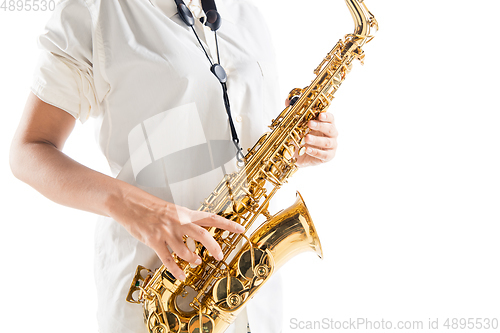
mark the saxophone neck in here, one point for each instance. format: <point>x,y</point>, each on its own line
<point>364,21</point>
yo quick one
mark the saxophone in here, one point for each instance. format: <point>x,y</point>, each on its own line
<point>214,292</point>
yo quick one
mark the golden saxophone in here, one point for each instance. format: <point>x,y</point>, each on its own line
<point>214,292</point>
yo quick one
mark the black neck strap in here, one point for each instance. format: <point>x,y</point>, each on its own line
<point>213,21</point>
<point>208,5</point>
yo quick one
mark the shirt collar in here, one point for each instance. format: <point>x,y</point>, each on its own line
<point>170,9</point>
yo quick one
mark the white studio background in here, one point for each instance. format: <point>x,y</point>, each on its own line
<point>408,211</point>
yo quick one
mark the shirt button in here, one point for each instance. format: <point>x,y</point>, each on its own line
<point>239,119</point>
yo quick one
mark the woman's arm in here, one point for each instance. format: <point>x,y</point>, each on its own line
<point>37,159</point>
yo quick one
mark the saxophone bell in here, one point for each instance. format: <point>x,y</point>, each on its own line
<point>287,233</point>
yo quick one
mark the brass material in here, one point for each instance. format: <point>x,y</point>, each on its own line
<point>246,263</point>
<point>136,285</point>
<point>173,322</point>
<point>215,292</point>
<point>228,292</point>
<point>203,321</point>
<point>161,328</point>
<point>184,299</point>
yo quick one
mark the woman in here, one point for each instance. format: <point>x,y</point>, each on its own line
<point>143,74</point>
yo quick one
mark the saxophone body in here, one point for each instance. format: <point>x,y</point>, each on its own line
<point>214,292</point>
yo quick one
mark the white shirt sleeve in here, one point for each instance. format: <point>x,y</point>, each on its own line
<point>64,73</point>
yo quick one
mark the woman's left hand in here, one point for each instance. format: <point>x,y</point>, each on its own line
<point>321,141</point>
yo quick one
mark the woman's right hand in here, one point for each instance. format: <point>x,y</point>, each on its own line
<point>160,225</point>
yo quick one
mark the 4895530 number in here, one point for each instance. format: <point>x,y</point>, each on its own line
<point>471,323</point>
<point>28,5</point>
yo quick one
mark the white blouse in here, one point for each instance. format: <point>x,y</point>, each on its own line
<point>136,68</point>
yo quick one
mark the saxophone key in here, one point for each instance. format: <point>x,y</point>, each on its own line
<point>227,292</point>
<point>296,92</point>
<point>161,328</point>
<point>172,320</point>
<point>288,152</point>
<point>204,322</point>
<point>184,299</point>
<point>247,264</point>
